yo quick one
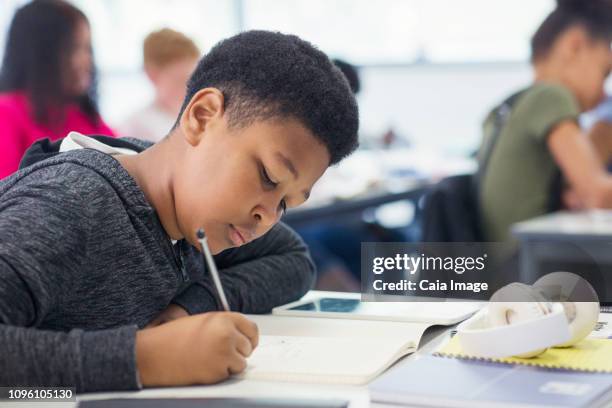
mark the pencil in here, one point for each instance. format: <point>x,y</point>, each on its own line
<point>213,268</point>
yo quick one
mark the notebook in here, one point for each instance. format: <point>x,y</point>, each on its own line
<point>319,350</point>
<point>443,382</point>
<point>590,354</point>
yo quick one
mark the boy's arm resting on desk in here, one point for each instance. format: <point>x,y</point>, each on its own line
<point>272,270</point>
<point>37,254</point>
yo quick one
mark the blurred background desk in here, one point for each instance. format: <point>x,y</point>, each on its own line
<point>371,178</point>
<point>579,242</point>
<point>372,196</point>
<point>355,207</point>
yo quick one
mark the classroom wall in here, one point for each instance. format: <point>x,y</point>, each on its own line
<point>433,105</point>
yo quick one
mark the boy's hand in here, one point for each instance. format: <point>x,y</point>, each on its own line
<point>199,349</point>
<point>172,312</point>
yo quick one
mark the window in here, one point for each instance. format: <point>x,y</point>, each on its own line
<point>404,31</point>
<point>120,26</point>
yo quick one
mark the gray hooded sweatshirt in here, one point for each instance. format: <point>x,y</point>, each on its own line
<point>85,262</point>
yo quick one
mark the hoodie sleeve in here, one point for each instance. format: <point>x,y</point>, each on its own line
<point>43,234</point>
<point>272,270</point>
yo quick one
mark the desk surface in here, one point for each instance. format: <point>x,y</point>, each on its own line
<point>357,395</point>
<point>563,225</point>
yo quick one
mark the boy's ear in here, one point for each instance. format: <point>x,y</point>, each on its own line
<point>204,109</point>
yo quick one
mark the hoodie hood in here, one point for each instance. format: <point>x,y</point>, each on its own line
<point>45,148</point>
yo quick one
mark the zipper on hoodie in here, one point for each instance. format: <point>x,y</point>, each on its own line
<point>181,263</point>
<point>177,252</point>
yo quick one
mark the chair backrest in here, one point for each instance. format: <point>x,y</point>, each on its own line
<point>450,212</point>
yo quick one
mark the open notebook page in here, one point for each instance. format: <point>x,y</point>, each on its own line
<point>328,350</point>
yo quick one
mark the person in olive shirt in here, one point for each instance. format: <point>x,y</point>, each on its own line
<point>524,155</point>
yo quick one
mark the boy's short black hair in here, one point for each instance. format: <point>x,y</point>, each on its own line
<point>265,75</point>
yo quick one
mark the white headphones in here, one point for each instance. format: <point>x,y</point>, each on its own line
<point>559,310</point>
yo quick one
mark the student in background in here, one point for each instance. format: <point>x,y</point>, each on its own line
<point>97,244</point>
<point>169,59</point>
<point>527,149</point>
<point>47,79</point>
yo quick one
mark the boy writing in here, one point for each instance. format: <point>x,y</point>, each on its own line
<point>93,247</point>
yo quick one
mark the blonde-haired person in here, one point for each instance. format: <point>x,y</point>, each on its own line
<point>169,59</point>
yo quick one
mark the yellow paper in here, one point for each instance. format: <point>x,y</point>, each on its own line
<point>588,355</point>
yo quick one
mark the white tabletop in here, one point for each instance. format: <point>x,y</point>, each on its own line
<point>357,396</point>
<point>593,223</point>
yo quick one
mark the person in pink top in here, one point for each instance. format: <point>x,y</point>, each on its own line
<point>47,80</point>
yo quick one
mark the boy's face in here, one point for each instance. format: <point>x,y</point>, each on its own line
<point>234,182</point>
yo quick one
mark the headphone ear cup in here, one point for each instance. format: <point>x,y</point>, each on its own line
<point>517,292</point>
<point>516,303</point>
<point>582,318</point>
<point>579,299</point>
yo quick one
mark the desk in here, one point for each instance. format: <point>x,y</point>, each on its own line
<point>357,395</point>
<point>355,207</point>
<point>567,238</point>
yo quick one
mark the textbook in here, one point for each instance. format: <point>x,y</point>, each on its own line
<point>319,350</point>
<point>430,381</point>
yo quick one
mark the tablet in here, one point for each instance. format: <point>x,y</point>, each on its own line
<point>445,313</point>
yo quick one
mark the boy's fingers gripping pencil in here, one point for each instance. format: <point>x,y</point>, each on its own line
<point>213,268</point>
